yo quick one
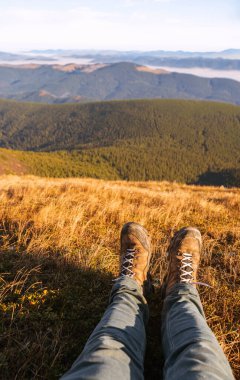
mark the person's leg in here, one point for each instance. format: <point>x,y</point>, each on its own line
<point>191,350</point>
<point>116,348</point>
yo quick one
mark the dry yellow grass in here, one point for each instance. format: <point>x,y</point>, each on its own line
<point>60,241</point>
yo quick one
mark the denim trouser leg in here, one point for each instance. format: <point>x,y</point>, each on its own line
<point>115,350</point>
<point>191,350</point>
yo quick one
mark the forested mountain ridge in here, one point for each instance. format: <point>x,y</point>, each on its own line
<point>122,80</point>
<point>70,126</point>
<point>186,141</point>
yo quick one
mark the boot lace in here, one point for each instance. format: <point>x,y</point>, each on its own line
<point>186,270</point>
<point>127,263</point>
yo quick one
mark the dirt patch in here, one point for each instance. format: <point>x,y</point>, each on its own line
<point>43,93</point>
<point>91,68</point>
<point>150,70</point>
<point>10,164</point>
<point>69,68</point>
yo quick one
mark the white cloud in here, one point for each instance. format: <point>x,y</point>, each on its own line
<point>172,20</point>
<point>131,3</point>
<point>163,1</point>
<point>31,27</point>
<point>85,27</point>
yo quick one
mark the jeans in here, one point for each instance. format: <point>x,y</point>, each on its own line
<point>115,350</point>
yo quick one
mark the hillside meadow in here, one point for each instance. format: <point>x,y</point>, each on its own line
<point>59,242</point>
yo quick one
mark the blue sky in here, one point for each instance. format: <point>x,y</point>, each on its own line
<point>120,24</point>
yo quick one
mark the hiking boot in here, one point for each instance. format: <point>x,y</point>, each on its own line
<point>135,253</point>
<point>184,255</point>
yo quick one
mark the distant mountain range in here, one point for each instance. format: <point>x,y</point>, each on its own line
<point>11,57</point>
<point>229,53</point>
<point>81,83</point>
<point>185,141</point>
<point>190,62</point>
<point>223,60</point>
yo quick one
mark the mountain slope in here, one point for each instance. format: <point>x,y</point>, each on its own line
<point>186,141</point>
<point>76,83</point>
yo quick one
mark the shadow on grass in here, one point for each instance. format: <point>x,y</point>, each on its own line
<point>49,307</point>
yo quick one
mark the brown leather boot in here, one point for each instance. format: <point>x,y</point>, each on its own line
<point>184,256</point>
<point>135,252</point>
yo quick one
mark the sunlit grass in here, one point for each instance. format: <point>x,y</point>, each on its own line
<point>59,251</point>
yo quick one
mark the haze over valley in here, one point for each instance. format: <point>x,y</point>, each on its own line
<point>222,64</point>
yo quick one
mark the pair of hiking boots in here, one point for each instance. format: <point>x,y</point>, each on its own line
<point>183,254</point>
